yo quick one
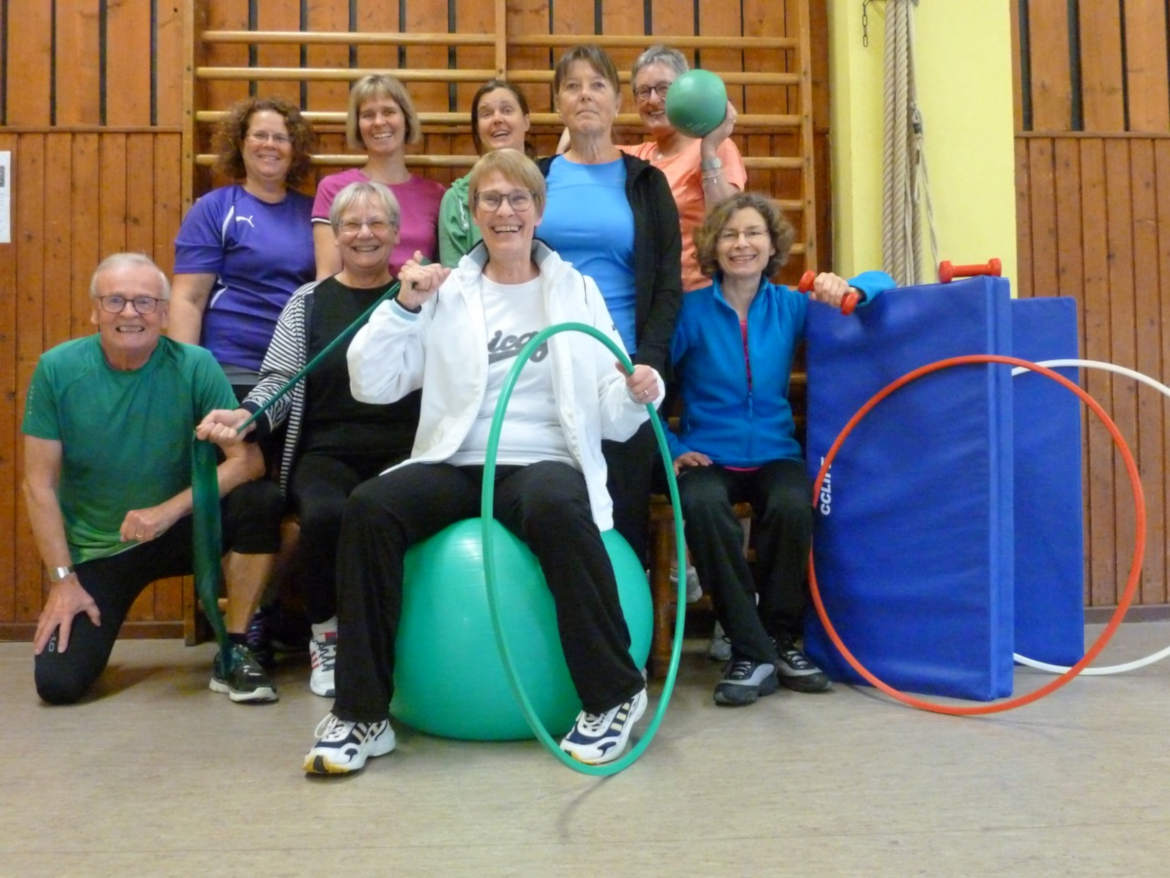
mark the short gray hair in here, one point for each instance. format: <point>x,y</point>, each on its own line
<point>660,54</point>
<point>364,190</point>
<point>129,260</point>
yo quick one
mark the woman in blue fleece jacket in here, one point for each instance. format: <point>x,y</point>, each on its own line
<point>732,351</point>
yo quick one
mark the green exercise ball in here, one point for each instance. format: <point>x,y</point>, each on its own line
<point>449,678</point>
<point>696,102</point>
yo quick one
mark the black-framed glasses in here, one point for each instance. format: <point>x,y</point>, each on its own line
<point>520,199</point>
<point>642,92</point>
<point>142,304</point>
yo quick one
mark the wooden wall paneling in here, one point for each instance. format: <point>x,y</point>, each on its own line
<point>757,22</point>
<point>1051,79</point>
<point>1122,313</point>
<point>112,205</point>
<point>29,45</point>
<point>10,411</point>
<point>128,88</point>
<point>167,198</point>
<point>531,17</point>
<point>1023,280</point>
<point>1067,187</point>
<point>1160,306</point>
<point>620,17</point>
<point>476,17</point>
<point>377,16</point>
<point>1100,544</point>
<point>1146,71</point>
<point>423,16</point>
<point>1147,358</point>
<point>140,193</point>
<point>169,60</point>
<point>58,239</point>
<point>280,15</point>
<point>78,86</point>
<point>1102,74</point>
<point>326,16</point>
<point>719,18</point>
<point>220,93</point>
<point>1044,241</point>
<point>427,16</point>
<point>85,214</point>
<point>28,222</point>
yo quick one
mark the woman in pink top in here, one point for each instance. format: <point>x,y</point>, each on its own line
<point>381,120</point>
<point>701,172</point>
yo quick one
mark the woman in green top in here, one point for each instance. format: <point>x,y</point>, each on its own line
<point>499,118</point>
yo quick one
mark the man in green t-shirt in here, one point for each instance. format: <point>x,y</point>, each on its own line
<point>108,426</point>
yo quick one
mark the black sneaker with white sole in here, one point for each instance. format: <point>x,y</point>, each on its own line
<point>797,672</point>
<point>245,681</point>
<point>744,681</point>
<point>343,747</point>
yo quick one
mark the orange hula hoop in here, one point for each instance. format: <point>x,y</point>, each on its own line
<point>1134,570</point>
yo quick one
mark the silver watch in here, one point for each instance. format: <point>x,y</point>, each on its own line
<point>56,574</point>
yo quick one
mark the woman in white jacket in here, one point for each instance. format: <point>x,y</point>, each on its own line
<point>454,334</point>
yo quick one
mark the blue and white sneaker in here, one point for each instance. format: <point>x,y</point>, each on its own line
<point>597,738</point>
<point>343,747</point>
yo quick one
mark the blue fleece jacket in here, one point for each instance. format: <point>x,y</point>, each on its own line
<point>735,418</point>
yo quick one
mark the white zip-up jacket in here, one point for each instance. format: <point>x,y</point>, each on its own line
<point>443,350</point>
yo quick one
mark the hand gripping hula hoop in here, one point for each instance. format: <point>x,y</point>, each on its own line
<point>487,502</point>
<point>1134,570</point>
<point>1154,656</point>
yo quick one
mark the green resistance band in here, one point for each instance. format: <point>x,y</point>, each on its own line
<point>487,504</point>
<point>206,525</point>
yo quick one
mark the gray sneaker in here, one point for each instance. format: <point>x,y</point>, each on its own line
<point>720,648</point>
<point>244,681</point>
<point>744,681</point>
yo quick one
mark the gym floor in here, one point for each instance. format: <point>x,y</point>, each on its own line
<point>157,775</point>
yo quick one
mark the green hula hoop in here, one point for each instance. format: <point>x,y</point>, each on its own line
<point>487,503</point>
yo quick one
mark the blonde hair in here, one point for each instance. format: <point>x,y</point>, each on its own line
<point>379,85</point>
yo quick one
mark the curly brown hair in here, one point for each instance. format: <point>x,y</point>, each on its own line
<point>780,230</point>
<point>229,138</point>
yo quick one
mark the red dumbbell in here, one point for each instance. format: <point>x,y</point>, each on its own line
<point>850,301</point>
<point>948,272</point>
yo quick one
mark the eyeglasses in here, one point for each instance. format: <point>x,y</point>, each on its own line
<point>730,236</point>
<point>376,227</point>
<point>520,199</point>
<point>142,304</point>
<point>269,137</point>
<point>642,92</point>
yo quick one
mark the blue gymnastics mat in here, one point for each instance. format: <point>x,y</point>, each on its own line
<point>918,555</point>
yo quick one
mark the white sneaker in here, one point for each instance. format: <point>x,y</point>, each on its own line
<point>343,747</point>
<point>720,648</point>
<point>322,658</point>
<point>596,738</point>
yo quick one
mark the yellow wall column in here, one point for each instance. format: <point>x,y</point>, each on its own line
<point>963,61</point>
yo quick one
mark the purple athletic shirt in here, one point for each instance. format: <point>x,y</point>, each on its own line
<point>259,252</point>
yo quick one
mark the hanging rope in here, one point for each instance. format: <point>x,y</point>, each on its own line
<point>905,183</point>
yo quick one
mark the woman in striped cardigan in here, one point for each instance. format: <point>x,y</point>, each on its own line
<point>333,443</point>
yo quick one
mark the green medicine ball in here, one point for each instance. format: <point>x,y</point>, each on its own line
<point>696,102</point>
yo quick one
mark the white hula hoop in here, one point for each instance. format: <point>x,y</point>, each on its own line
<point>1165,391</point>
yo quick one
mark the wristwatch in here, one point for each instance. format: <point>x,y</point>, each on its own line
<point>56,574</point>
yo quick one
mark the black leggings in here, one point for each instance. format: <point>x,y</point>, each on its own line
<point>545,504</point>
<point>251,526</point>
